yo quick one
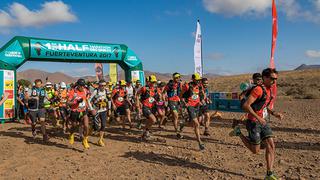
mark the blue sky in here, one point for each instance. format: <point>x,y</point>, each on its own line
<point>236,35</point>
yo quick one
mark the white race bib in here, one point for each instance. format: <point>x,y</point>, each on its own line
<point>82,105</point>
<point>120,99</point>
<point>195,97</point>
<point>265,113</point>
<point>151,100</point>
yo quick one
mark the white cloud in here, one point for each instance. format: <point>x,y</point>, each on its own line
<point>50,13</point>
<point>313,54</point>
<point>292,9</point>
<point>236,7</point>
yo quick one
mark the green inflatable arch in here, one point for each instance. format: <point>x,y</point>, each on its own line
<point>21,49</point>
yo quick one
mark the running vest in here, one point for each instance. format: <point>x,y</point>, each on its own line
<point>100,100</point>
<point>63,98</point>
<point>148,96</point>
<point>174,89</point>
<point>49,95</point>
<point>36,99</point>
<point>258,103</point>
<point>192,94</point>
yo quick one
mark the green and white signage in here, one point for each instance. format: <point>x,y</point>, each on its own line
<point>51,49</point>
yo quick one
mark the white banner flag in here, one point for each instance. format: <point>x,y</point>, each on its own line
<point>197,51</point>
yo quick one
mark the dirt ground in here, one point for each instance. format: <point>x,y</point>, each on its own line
<point>126,157</point>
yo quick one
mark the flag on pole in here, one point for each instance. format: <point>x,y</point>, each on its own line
<point>198,51</point>
<point>113,73</point>
<point>99,71</point>
<point>274,32</point>
<point>274,88</point>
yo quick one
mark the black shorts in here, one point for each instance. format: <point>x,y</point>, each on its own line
<point>147,111</point>
<point>193,112</point>
<point>203,109</point>
<point>102,117</point>
<point>174,105</point>
<point>257,132</point>
<point>121,110</point>
<point>77,116</point>
<point>36,115</point>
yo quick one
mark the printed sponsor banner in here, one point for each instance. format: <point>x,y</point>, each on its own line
<point>113,72</point>
<point>225,101</point>
<point>11,93</point>
<point>9,113</point>
<point>74,50</point>
<point>135,75</point>
<point>131,58</point>
<point>13,54</point>
<point>99,71</point>
<point>8,84</point>
<point>8,104</point>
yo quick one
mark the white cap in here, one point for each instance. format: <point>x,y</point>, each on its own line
<point>63,85</point>
<point>48,84</point>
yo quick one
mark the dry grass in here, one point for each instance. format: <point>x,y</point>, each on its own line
<point>304,84</point>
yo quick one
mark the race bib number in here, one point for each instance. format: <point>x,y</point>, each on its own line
<point>265,113</point>
<point>151,100</point>
<point>195,97</point>
<point>120,99</point>
<point>82,105</point>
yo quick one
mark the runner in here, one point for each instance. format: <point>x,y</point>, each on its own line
<point>258,128</point>
<point>36,108</point>
<point>100,102</point>
<point>160,103</point>
<point>121,104</point>
<point>173,90</point>
<point>147,97</point>
<point>63,106</point>
<point>191,97</point>
<point>138,105</point>
<point>205,102</point>
<point>49,103</point>
<point>79,111</point>
<point>109,96</point>
<point>130,93</point>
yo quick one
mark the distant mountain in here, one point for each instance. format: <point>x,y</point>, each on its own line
<point>32,74</point>
<point>304,66</point>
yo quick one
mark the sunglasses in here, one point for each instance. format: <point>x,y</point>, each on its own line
<point>273,79</point>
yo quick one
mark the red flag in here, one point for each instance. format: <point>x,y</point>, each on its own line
<point>273,46</point>
<point>99,71</point>
<point>274,32</point>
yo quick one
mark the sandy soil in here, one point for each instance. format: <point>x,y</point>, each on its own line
<point>126,157</point>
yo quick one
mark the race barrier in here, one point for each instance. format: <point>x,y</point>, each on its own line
<point>225,101</point>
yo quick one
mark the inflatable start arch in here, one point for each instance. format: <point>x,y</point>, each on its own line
<point>21,49</point>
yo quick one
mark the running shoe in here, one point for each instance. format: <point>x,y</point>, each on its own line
<point>101,142</point>
<point>146,135</point>
<point>85,142</point>
<point>71,138</point>
<point>179,136</point>
<point>201,146</point>
<point>272,176</point>
<point>34,133</point>
<point>206,132</point>
<point>235,132</point>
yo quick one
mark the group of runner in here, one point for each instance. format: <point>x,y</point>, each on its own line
<point>84,108</point>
